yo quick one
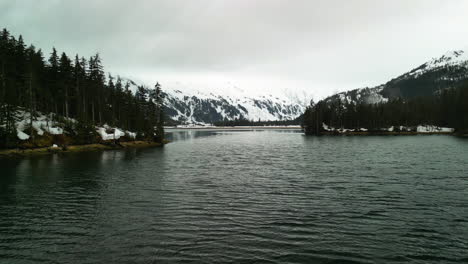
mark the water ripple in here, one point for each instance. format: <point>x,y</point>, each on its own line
<point>253,197</point>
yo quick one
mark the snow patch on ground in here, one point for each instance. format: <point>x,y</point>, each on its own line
<point>44,123</point>
<point>419,129</point>
<point>327,128</point>
<point>434,129</point>
<point>114,133</point>
<point>21,135</point>
<point>41,123</point>
<point>207,126</point>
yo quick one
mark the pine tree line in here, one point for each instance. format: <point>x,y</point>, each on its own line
<point>246,122</point>
<point>449,108</point>
<point>74,88</point>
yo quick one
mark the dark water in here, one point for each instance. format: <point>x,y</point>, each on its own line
<point>242,197</point>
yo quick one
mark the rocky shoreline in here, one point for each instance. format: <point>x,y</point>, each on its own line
<point>79,148</point>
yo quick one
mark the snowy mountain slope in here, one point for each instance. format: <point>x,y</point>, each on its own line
<point>187,105</point>
<point>365,95</point>
<point>458,58</point>
<point>194,106</point>
<point>444,72</point>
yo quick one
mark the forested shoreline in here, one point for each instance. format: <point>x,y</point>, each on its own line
<point>73,93</point>
<point>46,93</point>
<point>448,108</point>
<point>245,122</point>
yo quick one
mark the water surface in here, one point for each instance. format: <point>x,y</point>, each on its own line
<point>241,197</point>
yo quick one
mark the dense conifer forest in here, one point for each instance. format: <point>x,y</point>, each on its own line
<point>71,88</point>
<point>446,108</point>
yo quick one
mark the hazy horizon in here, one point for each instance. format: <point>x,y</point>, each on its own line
<point>320,47</point>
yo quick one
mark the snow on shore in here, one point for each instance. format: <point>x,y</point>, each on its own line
<point>42,123</point>
<point>434,129</point>
<point>21,135</point>
<point>45,123</point>
<point>419,129</point>
<point>191,126</point>
<point>115,133</point>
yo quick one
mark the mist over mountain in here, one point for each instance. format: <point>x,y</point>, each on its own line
<point>187,105</point>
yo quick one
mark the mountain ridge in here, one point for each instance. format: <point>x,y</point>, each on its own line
<point>444,72</point>
<point>186,105</point>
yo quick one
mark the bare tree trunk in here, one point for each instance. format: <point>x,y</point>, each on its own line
<point>92,111</point>
<point>316,122</point>
<point>84,107</point>
<point>3,81</point>
<point>77,98</point>
<point>31,114</point>
<point>8,117</point>
<point>66,101</point>
<point>113,113</point>
<point>3,94</point>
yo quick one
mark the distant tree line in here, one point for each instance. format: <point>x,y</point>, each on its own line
<point>246,122</point>
<point>448,108</point>
<point>73,88</point>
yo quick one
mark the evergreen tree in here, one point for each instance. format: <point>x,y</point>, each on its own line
<point>75,89</point>
<point>65,82</point>
<point>53,80</point>
<point>159,114</point>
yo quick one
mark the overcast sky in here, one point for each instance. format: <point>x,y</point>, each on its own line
<point>318,46</point>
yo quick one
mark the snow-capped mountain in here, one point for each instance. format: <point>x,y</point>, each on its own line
<point>187,105</point>
<point>447,71</point>
<point>201,107</point>
<point>458,58</point>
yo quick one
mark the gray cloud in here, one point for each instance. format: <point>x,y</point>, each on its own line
<point>318,46</point>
